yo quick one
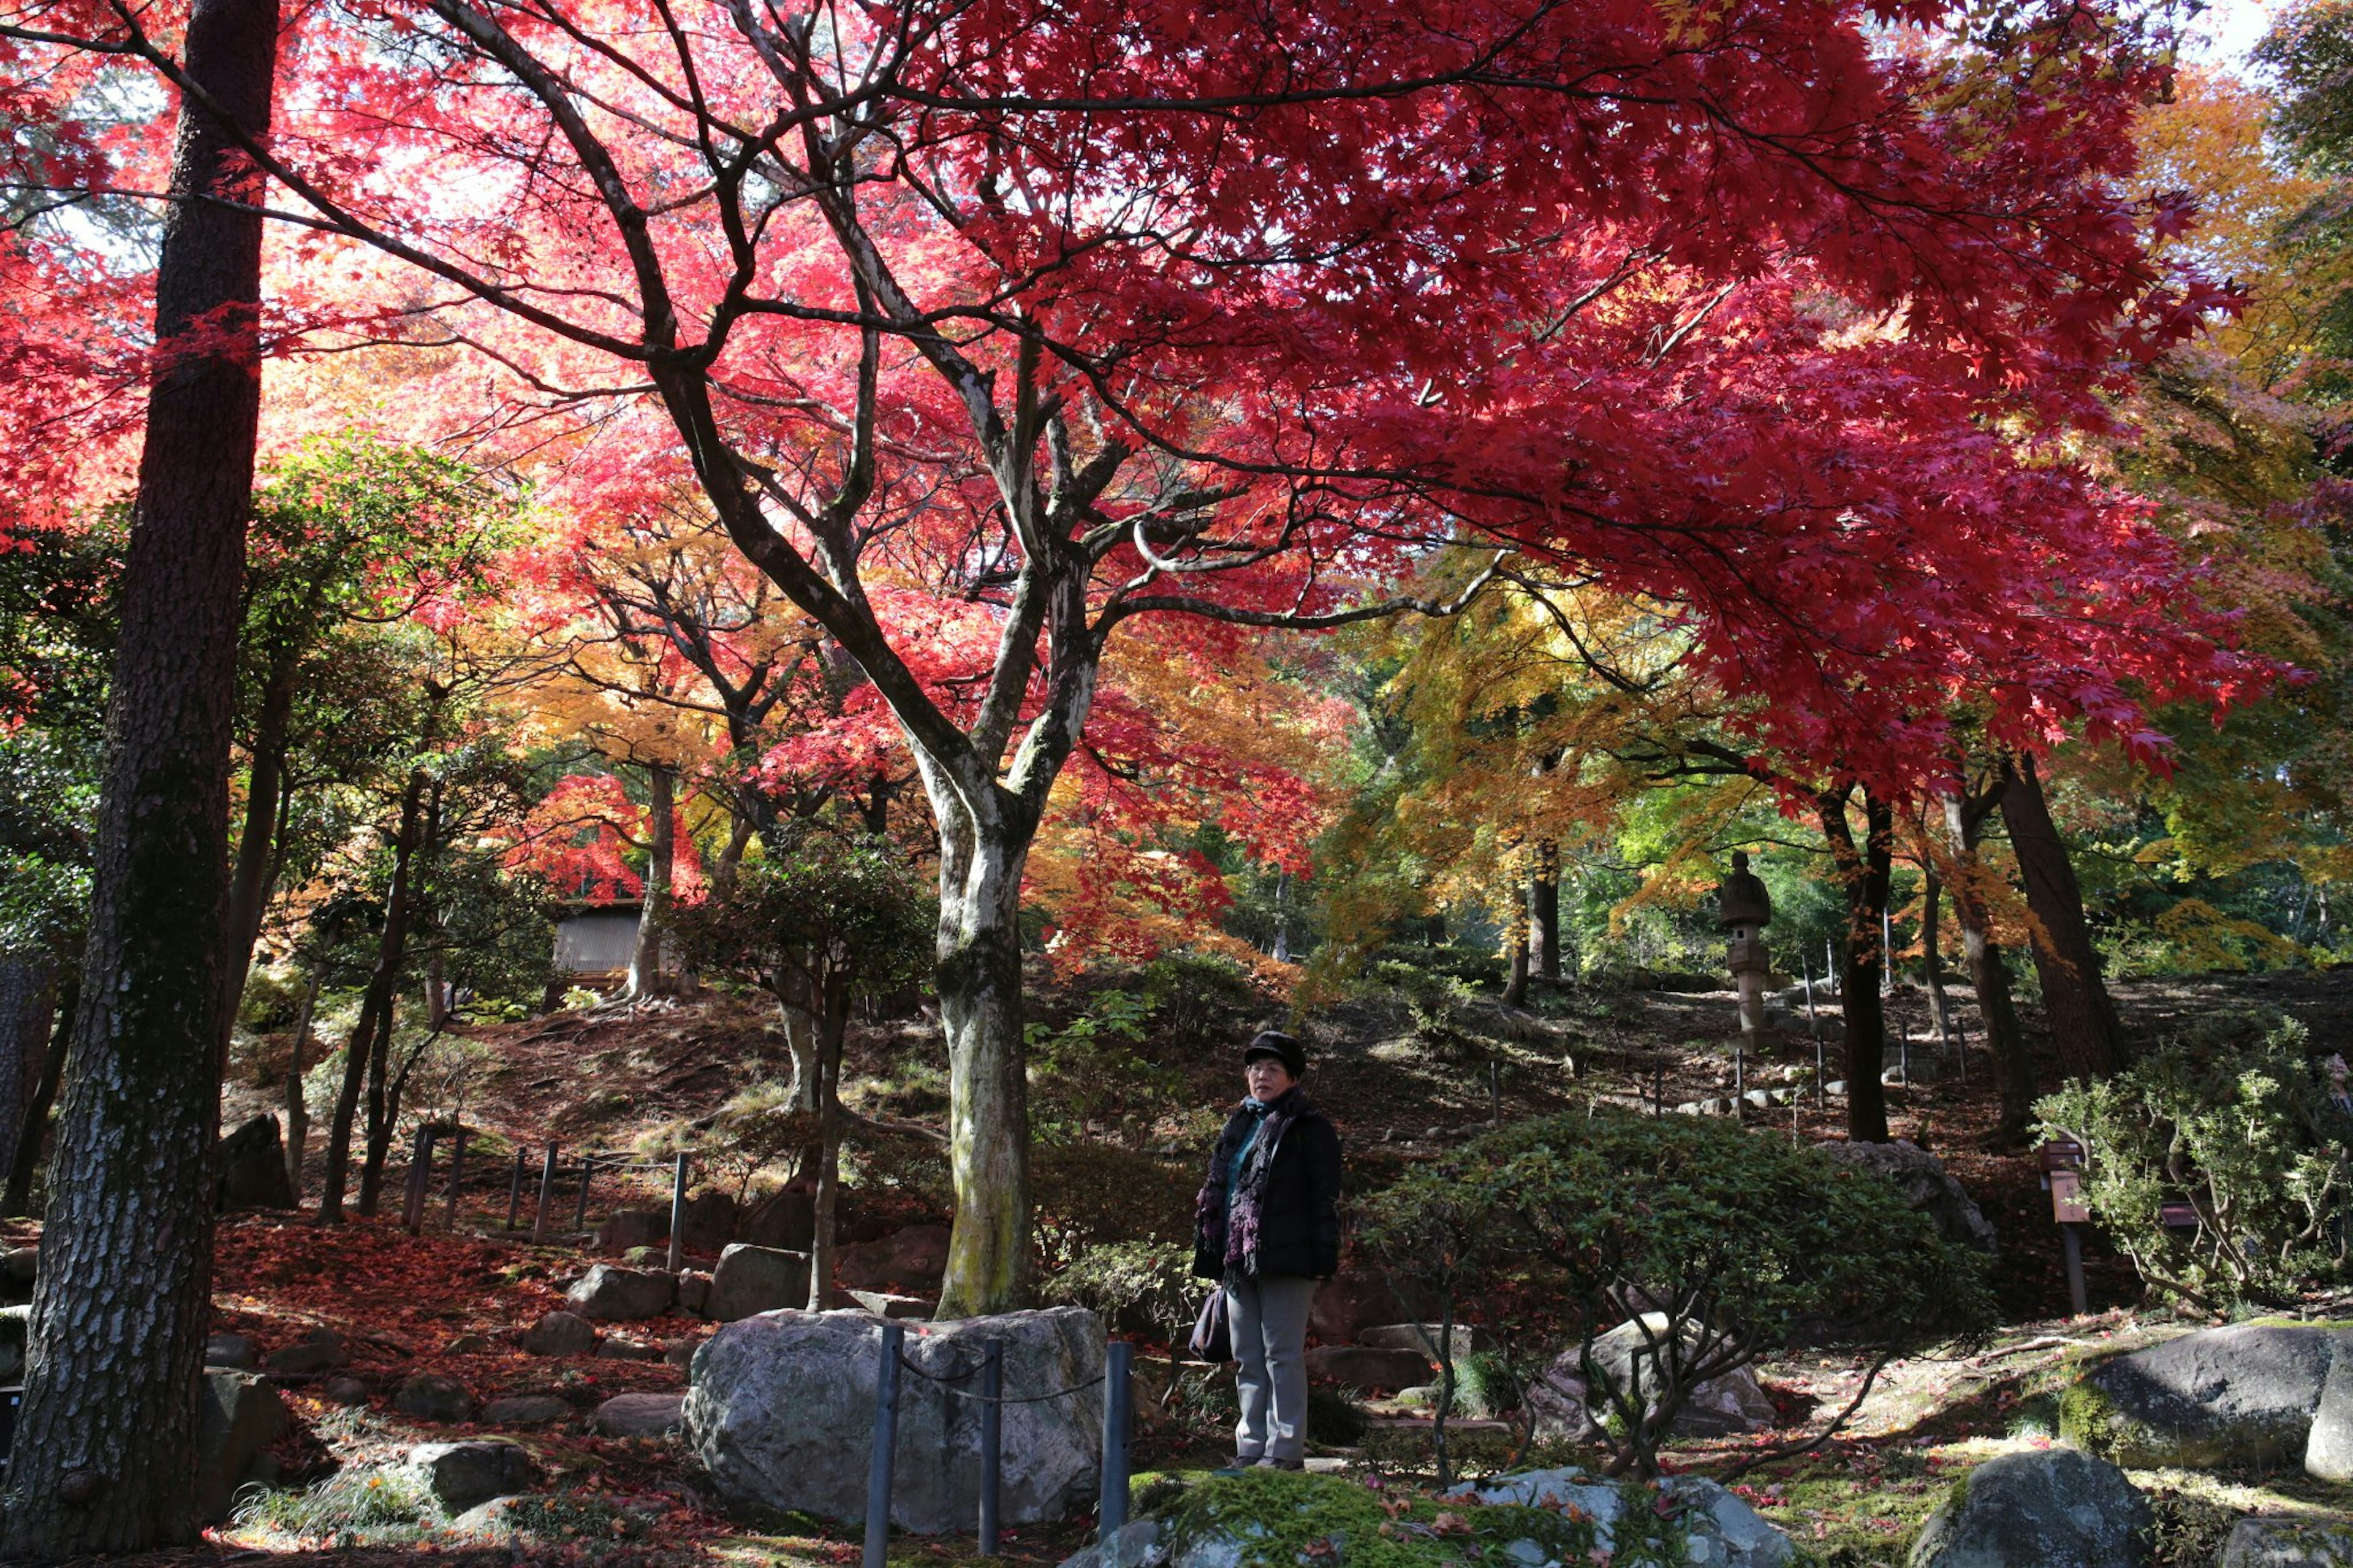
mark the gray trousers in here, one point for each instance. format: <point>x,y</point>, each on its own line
<point>1268,1319</point>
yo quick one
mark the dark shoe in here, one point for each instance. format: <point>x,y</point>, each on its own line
<point>1272,1463</point>
<point>1235,1465</point>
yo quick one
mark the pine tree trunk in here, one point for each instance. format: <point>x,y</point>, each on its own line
<point>979,982</point>
<point>2085,1035</point>
<point>375,1007</point>
<point>1863,870</point>
<point>2013,1069</point>
<point>105,1452</point>
<point>27,1007</point>
<point>646,958</point>
<point>1544,915</point>
<point>35,1126</point>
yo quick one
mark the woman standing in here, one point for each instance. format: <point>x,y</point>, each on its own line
<point>1267,1224</point>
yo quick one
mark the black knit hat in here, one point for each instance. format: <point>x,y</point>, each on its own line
<point>1281,1047</point>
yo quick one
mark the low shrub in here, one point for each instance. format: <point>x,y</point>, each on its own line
<point>378,1505</point>
<point>1137,1285</point>
<point>1089,1194</point>
<point>1548,1230</point>
<point>2243,1130</point>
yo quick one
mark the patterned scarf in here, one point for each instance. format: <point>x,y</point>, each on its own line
<point>1232,1200</point>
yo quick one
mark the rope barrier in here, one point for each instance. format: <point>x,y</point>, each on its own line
<point>959,1375</point>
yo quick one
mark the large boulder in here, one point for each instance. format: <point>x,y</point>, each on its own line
<point>249,1168</point>
<point>1927,1187</point>
<point>2269,1542</point>
<point>782,1415</point>
<point>633,1227</point>
<point>752,1279</point>
<point>912,1260</point>
<point>2328,1445</point>
<point>560,1334</point>
<point>1367,1368</point>
<point>785,1221</point>
<point>238,1416</point>
<point>462,1475</point>
<point>1566,1410</point>
<point>2243,1394</point>
<point>1466,1339</point>
<point>2052,1508</point>
<point>610,1294</point>
<point>1354,1301</point>
<point>710,1221</point>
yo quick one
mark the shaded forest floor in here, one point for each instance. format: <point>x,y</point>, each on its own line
<point>450,1300</point>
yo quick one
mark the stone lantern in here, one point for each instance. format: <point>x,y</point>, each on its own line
<point>1744,909</point>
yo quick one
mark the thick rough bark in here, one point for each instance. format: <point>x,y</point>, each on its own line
<point>375,1005</point>
<point>979,982</point>
<point>661,809</point>
<point>2085,1035</point>
<point>1863,870</point>
<point>1515,948</point>
<point>1544,915</point>
<point>28,1005</point>
<point>105,1452</point>
<point>34,1129</point>
<point>2013,1069</point>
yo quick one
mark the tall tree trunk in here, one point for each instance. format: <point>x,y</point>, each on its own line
<point>661,814</point>
<point>266,803</point>
<point>2013,1069</point>
<point>1863,871</point>
<point>979,978</point>
<point>377,1146</point>
<point>833,1026</point>
<point>105,1452</point>
<point>1932,955</point>
<point>2085,1035</point>
<point>1544,914</point>
<point>27,1008</point>
<point>298,1109</point>
<point>1515,948</point>
<point>18,1199</point>
<point>437,995</point>
<point>724,869</point>
<point>375,1005</point>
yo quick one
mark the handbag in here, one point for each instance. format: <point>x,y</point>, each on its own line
<point>1213,1339</point>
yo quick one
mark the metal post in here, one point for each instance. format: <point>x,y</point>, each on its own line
<point>1886,953</point>
<point>514,1195</point>
<point>886,1444</point>
<point>992,1439</point>
<point>1495,1089</point>
<point>457,1172</point>
<point>2074,1243</point>
<point>1740,1076</point>
<point>587,1174</point>
<point>678,1212</point>
<point>420,1176</point>
<point>1111,1515</point>
<point>546,1196</point>
<point>1814,1022</point>
<point>1904,1053</point>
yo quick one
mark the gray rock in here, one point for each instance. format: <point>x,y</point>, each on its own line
<point>1135,1545</point>
<point>1758,1100</point>
<point>1921,1177</point>
<point>911,1261</point>
<point>20,1266</point>
<point>2328,1445</point>
<point>429,1396</point>
<point>238,1416</point>
<point>524,1410</point>
<point>1350,1302</point>
<point>613,1295</point>
<point>693,1291</point>
<point>1363,1367</point>
<point>2259,1543</point>
<point>560,1333</point>
<point>786,1221</point>
<point>633,1227</point>
<point>1566,1410</point>
<point>249,1168</point>
<point>469,1345</point>
<point>1466,1338</point>
<point>2053,1508</point>
<point>884,1304</point>
<point>616,1348</point>
<point>752,1279</point>
<point>681,1352</point>
<point>1722,1531</point>
<point>782,1410</point>
<point>317,1351</point>
<point>1746,1538</point>
<point>15,1331</point>
<point>497,1520</point>
<point>232,1350</point>
<point>462,1475</point>
<point>2243,1394</point>
<point>710,1221</point>
<point>642,1415</point>
<point>343,1391</point>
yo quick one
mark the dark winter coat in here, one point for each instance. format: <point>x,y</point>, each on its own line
<point>1282,1214</point>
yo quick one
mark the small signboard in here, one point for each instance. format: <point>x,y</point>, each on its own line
<point>2177,1214</point>
<point>2066,1198</point>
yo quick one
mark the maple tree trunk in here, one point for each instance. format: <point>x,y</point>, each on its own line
<point>645,959</point>
<point>266,804</point>
<point>28,1005</point>
<point>382,1107</point>
<point>2014,1070</point>
<point>833,1029</point>
<point>1515,948</point>
<point>979,978</point>
<point>33,1130</point>
<point>105,1451</point>
<point>723,870</point>
<point>1544,914</point>
<point>2085,1035</point>
<point>375,1005</point>
<point>1863,870</point>
<point>297,1110</point>
<point>1932,957</point>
